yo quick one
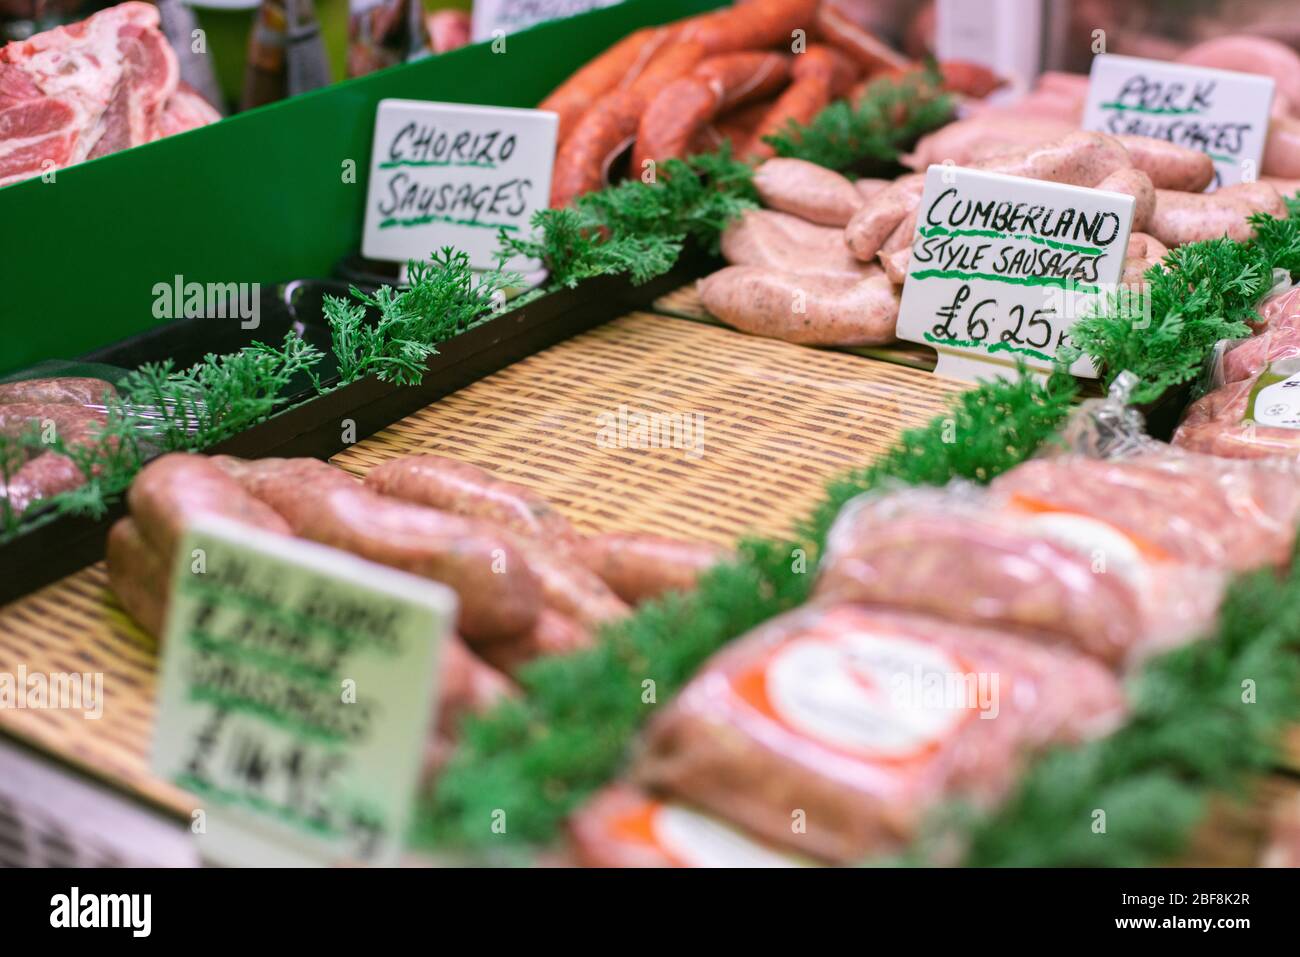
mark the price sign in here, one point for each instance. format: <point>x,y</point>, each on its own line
<point>494,17</point>
<point>1002,266</point>
<point>296,690</point>
<point>445,174</point>
<point>1219,112</point>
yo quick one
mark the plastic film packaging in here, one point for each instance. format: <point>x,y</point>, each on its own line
<point>859,721</point>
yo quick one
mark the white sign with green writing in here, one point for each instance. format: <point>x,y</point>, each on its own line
<point>296,692</point>
<point>446,174</point>
<point>1219,112</point>
<point>1002,267</point>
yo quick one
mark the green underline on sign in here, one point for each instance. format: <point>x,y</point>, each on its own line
<point>928,231</point>
<point>991,350</point>
<point>237,702</point>
<point>1220,158</point>
<point>394,164</point>
<point>201,787</point>
<point>1012,280</point>
<point>1152,111</point>
<point>262,659</point>
<point>426,220</point>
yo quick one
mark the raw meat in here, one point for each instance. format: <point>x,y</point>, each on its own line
<point>625,827</point>
<point>88,89</point>
<point>833,731</point>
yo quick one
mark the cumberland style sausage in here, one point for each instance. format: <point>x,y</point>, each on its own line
<point>807,190</point>
<point>173,490</point>
<point>764,237</point>
<point>1182,218</point>
<point>817,310</point>
<point>458,487</point>
<point>1079,159</point>
<point>640,567</point>
<point>138,574</point>
<point>1135,183</point>
<point>979,137</point>
<point>873,224</point>
<point>1169,165</point>
<point>499,596</point>
<point>65,390</point>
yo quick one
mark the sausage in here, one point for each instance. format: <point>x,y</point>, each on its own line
<point>819,75</point>
<point>1282,149</point>
<point>676,115</point>
<point>869,186</point>
<point>1079,159</point>
<point>764,237</point>
<point>566,586</point>
<point>620,64</point>
<point>606,129</point>
<point>1250,55</point>
<point>499,595</point>
<point>871,225</point>
<point>65,390</point>
<point>466,685</point>
<point>1182,218</point>
<point>553,634</point>
<point>982,136</point>
<point>872,54</point>
<point>641,567</point>
<point>1135,183</point>
<point>44,476</point>
<point>1169,165</point>
<point>895,263</point>
<point>807,190</point>
<point>1285,187</point>
<point>173,490</point>
<point>138,573</point>
<point>753,25</point>
<point>458,487</point>
<point>1146,246</point>
<point>817,310</point>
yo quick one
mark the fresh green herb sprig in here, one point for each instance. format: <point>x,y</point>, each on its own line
<point>1199,294</point>
<point>443,299</point>
<point>889,117</point>
<point>636,228</point>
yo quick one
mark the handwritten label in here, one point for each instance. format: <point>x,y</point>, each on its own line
<point>510,16</point>
<point>296,690</point>
<point>1221,113</point>
<point>445,174</point>
<point>1002,267</point>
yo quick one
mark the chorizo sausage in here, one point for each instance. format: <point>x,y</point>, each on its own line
<point>807,190</point>
<point>819,74</point>
<point>838,30</point>
<point>640,567</point>
<point>818,310</point>
<point>458,487</point>
<point>138,574</point>
<point>753,25</point>
<point>499,595</point>
<point>620,64</point>
<point>677,113</point>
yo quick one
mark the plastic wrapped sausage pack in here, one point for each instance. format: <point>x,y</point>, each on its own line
<point>833,730</point>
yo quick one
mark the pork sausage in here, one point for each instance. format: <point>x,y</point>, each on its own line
<point>1169,165</point>
<point>1135,183</point>
<point>807,190</point>
<point>639,567</point>
<point>553,634</point>
<point>138,574</point>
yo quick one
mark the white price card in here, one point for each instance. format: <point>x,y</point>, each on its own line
<point>296,692</point>
<point>446,174</point>
<point>498,17</point>
<point>1219,112</point>
<point>1002,267</point>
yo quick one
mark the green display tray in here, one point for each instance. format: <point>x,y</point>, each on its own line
<point>259,197</point>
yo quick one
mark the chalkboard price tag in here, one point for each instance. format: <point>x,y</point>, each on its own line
<point>1002,266</point>
<point>446,174</point>
<point>1219,112</point>
<point>296,692</point>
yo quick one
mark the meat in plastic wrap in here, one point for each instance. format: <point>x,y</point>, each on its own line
<point>984,557</point>
<point>1253,418</point>
<point>625,827</point>
<point>834,730</point>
